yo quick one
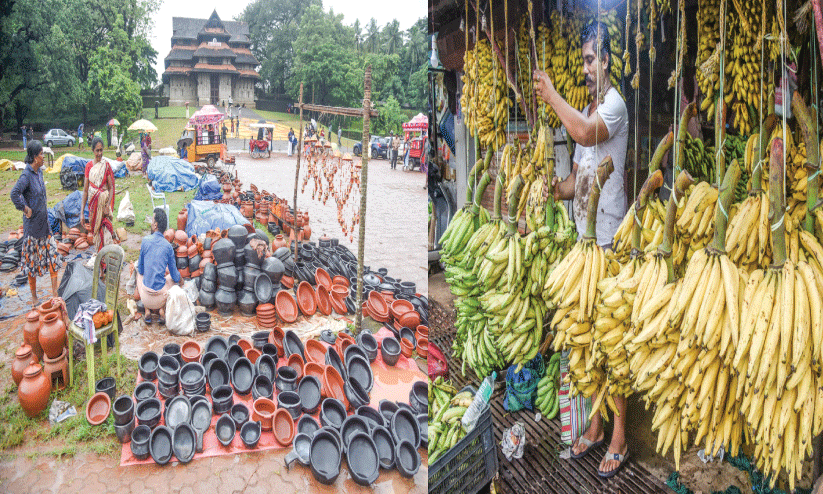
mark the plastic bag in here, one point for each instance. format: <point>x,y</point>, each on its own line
<point>125,212</point>
<point>179,312</point>
<point>190,287</point>
<point>514,441</point>
<point>521,387</point>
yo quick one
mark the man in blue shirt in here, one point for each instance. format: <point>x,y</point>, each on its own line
<point>156,257</point>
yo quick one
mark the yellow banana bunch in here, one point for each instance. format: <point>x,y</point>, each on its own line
<point>694,227</point>
<point>485,100</point>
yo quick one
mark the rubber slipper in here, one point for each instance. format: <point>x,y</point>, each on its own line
<point>147,319</point>
<point>161,321</point>
<point>589,446</point>
<point>614,456</point>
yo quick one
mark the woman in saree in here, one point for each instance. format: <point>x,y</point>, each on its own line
<point>100,182</point>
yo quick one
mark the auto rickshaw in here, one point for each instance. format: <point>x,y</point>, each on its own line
<point>203,137</point>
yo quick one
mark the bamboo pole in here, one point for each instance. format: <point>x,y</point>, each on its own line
<point>364,174</point>
<point>297,174</point>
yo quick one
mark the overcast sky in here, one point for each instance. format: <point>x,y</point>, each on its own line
<point>405,12</point>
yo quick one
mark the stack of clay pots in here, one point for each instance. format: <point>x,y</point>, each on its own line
<point>76,239</point>
<point>10,252</point>
<point>44,337</point>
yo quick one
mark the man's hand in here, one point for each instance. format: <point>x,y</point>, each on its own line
<point>556,188</point>
<point>543,85</point>
<point>27,211</point>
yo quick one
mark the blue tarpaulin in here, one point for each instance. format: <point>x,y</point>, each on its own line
<point>209,188</point>
<point>67,211</point>
<point>78,165</point>
<point>169,174</point>
<point>206,215</point>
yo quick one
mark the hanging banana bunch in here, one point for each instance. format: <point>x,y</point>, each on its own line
<point>485,101</point>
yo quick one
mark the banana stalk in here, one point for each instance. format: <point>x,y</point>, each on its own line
<point>806,119</point>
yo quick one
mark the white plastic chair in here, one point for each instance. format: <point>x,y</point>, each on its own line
<point>158,195</point>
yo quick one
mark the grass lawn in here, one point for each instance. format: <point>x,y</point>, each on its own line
<point>73,435</point>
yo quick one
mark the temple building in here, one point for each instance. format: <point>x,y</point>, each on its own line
<point>209,61</point>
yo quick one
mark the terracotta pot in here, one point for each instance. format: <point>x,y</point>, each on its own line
<point>314,369</point>
<point>191,250</point>
<point>58,368</point>
<point>182,219</point>
<point>53,335</point>
<point>306,232</point>
<point>190,351</point>
<point>278,242</point>
<point>296,362</point>
<point>23,358</point>
<point>263,410</point>
<point>253,354</point>
<point>283,425</point>
<point>31,333</point>
<point>34,390</point>
<point>245,344</point>
<point>423,346</point>
<point>406,347</point>
<point>98,408</point>
<point>421,331</point>
<point>333,386</point>
<point>181,238</point>
<point>276,337</point>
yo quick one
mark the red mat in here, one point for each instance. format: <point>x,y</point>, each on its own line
<point>390,383</point>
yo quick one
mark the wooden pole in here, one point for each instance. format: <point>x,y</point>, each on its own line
<point>364,174</point>
<point>297,174</point>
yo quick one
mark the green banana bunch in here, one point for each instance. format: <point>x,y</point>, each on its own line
<point>547,401</point>
<point>445,429</point>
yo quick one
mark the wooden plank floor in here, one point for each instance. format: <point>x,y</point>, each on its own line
<point>540,470</point>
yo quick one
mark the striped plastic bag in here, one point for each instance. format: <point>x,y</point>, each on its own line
<point>574,412</point>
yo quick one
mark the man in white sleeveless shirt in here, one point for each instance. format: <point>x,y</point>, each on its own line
<point>600,130</point>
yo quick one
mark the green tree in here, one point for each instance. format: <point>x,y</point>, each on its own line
<point>112,87</point>
<point>390,119</point>
<point>372,37</point>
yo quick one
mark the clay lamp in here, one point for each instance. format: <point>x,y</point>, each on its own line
<point>283,427</point>
<point>286,306</point>
<point>323,299</point>
<point>315,351</point>
<point>98,408</point>
<point>305,298</point>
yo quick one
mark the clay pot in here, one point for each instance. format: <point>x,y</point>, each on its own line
<point>31,333</point>
<point>276,338</point>
<point>306,232</point>
<point>98,408</point>
<point>57,368</point>
<point>314,369</point>
<point>53,334</point>
<point>263,410</point>
<point>422,331</point>
<point>315,351</point>
<point>253,354</point>
<point>169,235</point>
<point>296,362</point>
<point>23,358</point>
<point>333,386</point>
<point>34,390</point>
<point>182,219</point>
<point>305,299</point>
<point>283,425</point>
<point>190,351</point>
<point>278,242</point>
<point>286,306</point>
<point>181,238</point>
<point>406,347</point>
<point>423,346</point>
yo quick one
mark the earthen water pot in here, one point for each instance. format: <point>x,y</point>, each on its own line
<point>31,333</point>
<point>182,219</point>
<point>57,369</point>
<point>169,235</point>
<point>180,238</point>
<point>23,357</point>
<point>283,427</point>
<point>52,335</point>
<point>278,242</point>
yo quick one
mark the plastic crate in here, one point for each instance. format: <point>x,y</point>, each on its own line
<point>470,464</point>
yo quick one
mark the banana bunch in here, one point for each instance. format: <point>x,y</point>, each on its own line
<point>694,227</point>
<point>778,348</point>
<point>485,100</point>
<point>445,429</point>
<point>440,394</point>
<point>699,159</point>
<point>547,401</point>
<point>572,289</point>
<point>526,65</point>
<point>467,220</point>
<point>567,61</point>
<point>708,39</point>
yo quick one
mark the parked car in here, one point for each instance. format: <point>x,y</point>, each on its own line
<point>58,137</point>
<point>380,147</point>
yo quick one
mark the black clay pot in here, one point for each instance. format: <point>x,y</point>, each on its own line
<point>250,274</point>
<point>266,365</point>
<point>183,443</point>
<point>387,409</point>
<point>206,359</point>
<point>309,391</point>
<point>290,400</point>
<point>237,234</point>
<point>168,391</point>
<point>252,256</point>
<point>194,263</point>
<point>140,442</point>
<point>371,416</point>
<point>408,287</point>
<point>407,459</point>
<point>263,288</point>
<point>192,376</point>
<point>207,285</point>
<point>404,426</point>
<point>385,446</point>
<point>123,432</point>
<point>178,411</point>
<point>240,414</point>
<point>242,376</point>
<point>262,387</point>
<point>209,272</point>
<point>362,459</point>
<point>369,345</point>
<point>207,243</point>
<point>201,412</point>
<point>225,429</point>
<point>273,267</point>
<point>226,299</point>
<point>250,434</point>
<point>202,321</point>
<point>227,275</point>
<point>216,344</point>
<point>160,445</point>
<point>390,350</point>
<point>223,251</point>
<point>259,338</point>
<point>307,425</point>
<point>359,369</point>
<point>247,302</point>
<point>293,344</point>
<point>239,260</point>
<point>217,373</point>
<point>233,354</point>
<point>286,379</point>
<point>355,393</point>
<point>107,385</point>
<point>423,426</point>
<point>207,300</point>
<point>173,350</point>
<point>332,413</point>
<point>167,369</point>
<point>269,349</point>
<point>351,351</point>
<point>123,410</point>
<point>351,426</point>
<point>333,359</point>
<point>181,263</point>
<point>148,366</point>
<point>326,455</point>
<point>144,391</point>
<point>282,253</point>
<point>419,397</point>
<point>222,399</point>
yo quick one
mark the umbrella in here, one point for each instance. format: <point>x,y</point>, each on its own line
<point>114,122</point>
<point>143,125</point>
<point>209,114</point>
<point>186,141</point>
